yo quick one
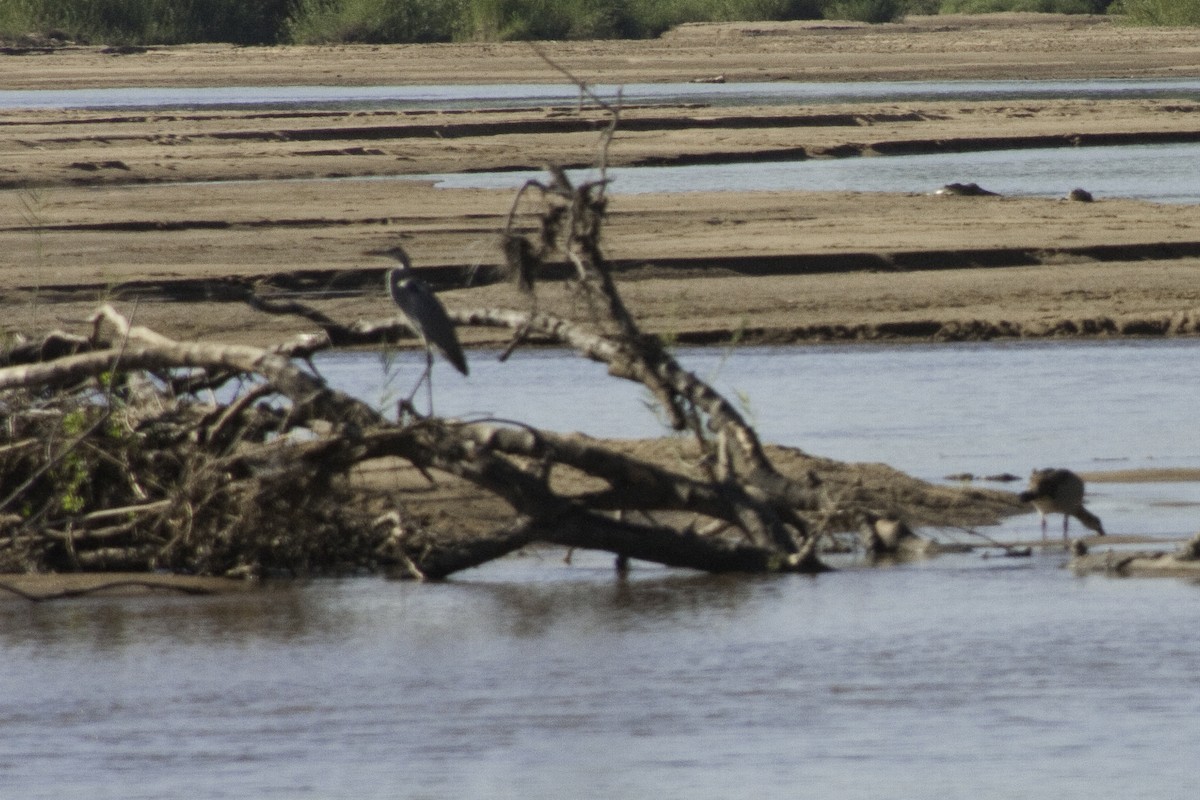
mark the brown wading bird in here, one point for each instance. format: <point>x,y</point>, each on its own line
<point>426,315</point>
<point>1059,491</point>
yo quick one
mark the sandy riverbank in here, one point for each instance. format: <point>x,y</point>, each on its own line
<point>158,205</point>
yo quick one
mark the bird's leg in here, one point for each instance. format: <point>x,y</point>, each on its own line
<point>416,388</point>
<point>429,377</point>
<point>1066,538</point>
<point>1043,527</point>
<point>426,378</point>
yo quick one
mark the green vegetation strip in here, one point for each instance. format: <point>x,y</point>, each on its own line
<point>144,22</point>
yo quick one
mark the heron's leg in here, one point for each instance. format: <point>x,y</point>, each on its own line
<point>426,378</point>
<point>429,377</point>
<point>1066,538</point>
<point>1043,527</point>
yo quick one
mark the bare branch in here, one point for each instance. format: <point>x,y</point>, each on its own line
<point>146,349</point>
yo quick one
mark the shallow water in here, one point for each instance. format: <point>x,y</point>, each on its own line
<point>1162,173</point>
<point>510,95</point>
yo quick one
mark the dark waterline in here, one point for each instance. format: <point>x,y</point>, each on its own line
<point>509,95</point>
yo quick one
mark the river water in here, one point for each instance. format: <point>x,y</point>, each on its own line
<point>1163,173</point>
<point>930,410</point>
<point>959,678</point>
<point>1160,173</point>
<point>518,95</point>
<point>962,676</point>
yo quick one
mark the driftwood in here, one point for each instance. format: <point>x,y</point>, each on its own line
<point>127,450</point>
<point>1183,562</point>
<point>139,476</point>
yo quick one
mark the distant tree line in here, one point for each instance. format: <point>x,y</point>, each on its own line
<point>143,22</point>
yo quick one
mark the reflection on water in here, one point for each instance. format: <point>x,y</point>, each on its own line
<point>529,678</point>
<point>532,679</point>
<point>111,625</point>
<point>516,95</point>
<point>1160,173</point>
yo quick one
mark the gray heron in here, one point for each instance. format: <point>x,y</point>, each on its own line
<point>1059,491</point>
<point>426,316</point>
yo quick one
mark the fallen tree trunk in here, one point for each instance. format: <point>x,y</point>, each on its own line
<point>1183,562</point>
<point>129,450</point>
<point>263,468</point>
<point>108,464</point>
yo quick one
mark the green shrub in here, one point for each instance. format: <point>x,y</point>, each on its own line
<point>923,7</point>
<point>148,21</point>
<point>873,11</point>
<point>547,19</point>
<point>316,21</point>
<point>655,16</point>
<point>373,21</point>
<point>1040,6</point>
<point>381,21</point>
<point>1161,12</point>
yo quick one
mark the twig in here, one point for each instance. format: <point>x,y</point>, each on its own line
<point>585,90</point>
<point>234,409</point>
